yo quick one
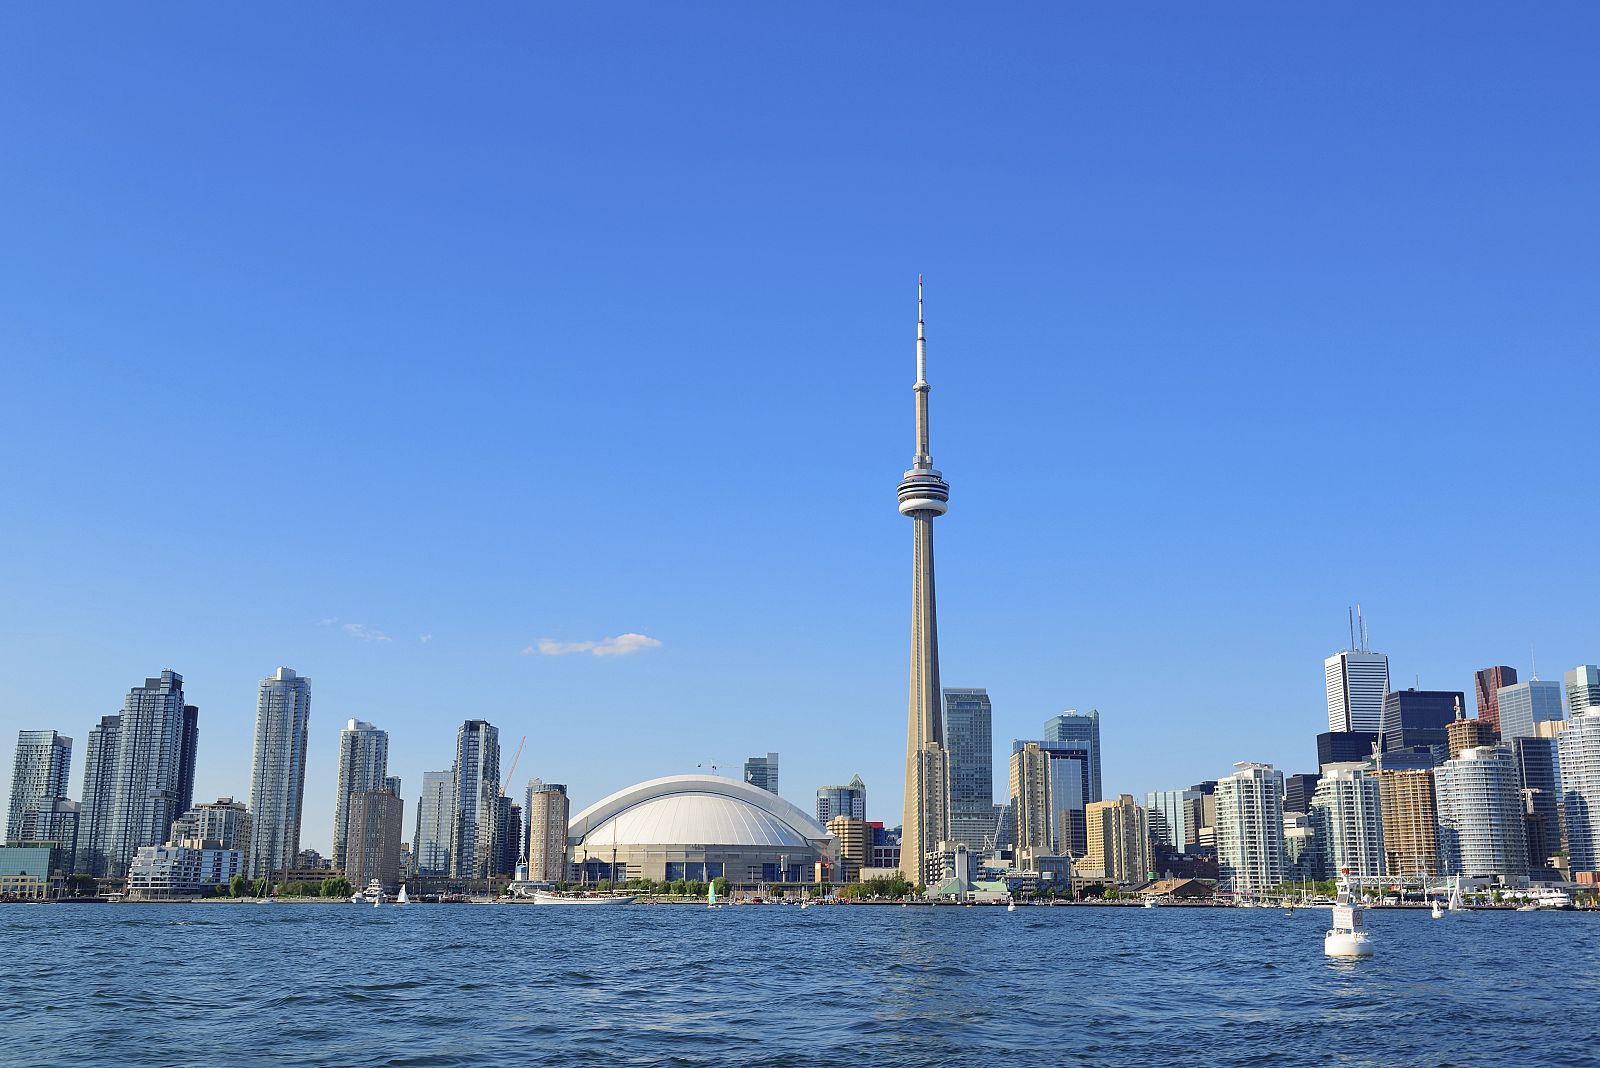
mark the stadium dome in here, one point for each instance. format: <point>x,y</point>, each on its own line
<point>697,827</point>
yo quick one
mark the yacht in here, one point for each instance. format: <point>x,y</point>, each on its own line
<point>1348,935</point>
<point>1548,897</point>
<point>549,897</point>
<point>372,895</point>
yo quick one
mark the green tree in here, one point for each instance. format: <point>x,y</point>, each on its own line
<point>722,886</point>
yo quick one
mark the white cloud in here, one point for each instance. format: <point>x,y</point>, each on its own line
<point>621,645</point>
<point>365,633</point>
<point>330,621</point>
<point>425,638</point>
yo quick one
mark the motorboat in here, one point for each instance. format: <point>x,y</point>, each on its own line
<point>548,897</point>
<point>1151,903</point>
<point>372,895</point>
<point>1348,935</point>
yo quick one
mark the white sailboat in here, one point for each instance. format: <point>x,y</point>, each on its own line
<point>1348,935</point>
<point>1456,904</point>
<point>402,899</point>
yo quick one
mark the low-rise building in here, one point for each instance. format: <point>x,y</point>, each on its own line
<point>182,869</point>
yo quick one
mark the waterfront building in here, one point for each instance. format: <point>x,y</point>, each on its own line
<point>1410,822</point>
<point>1357,679</point>
<point>26,869</point>
<point>1249,828</point>
<point>1119,841</point>
<point>1528,703</point>
<point>475,793</point>
<point>1462,734</point>
<point>181,869</point>
<point>855,846</point>
<point>224,821</point>
<point>969,743</point>
<point>363,765</point>
<point>431,843</point>
<point>1419,718</point>
<point>1481,830</point>
<point>1486,683</point>
<point>848,800</point>
<point>143,780</point>
<point>548,813</point>
<point>697,827</point>
<point>1345,747</point>
<point>278,771</point>
<point>188,746</point>
<point>372,839</point>
<point>1030,798</point>
<point>923,496</point>
<point>1579,759</point>
<point>1583,688</point>
<point>1349,823</point>
<point>1539,773</point>
<point>57,821</point>
<point>94,819</point>
<point>1298,790</point>
<point>1171,814</point>
<point>38,776</point>
<point>762,772</point>
<point>1081,731</point>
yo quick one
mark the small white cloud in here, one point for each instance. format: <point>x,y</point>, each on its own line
<point>425,638</point>
<point>621,645</point>
<point>330,621</point>
<point>365,633</point>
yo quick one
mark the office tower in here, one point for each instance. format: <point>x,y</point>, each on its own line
<point>923,494</point>
<point>94,819</point>
<point>1539,773</point>
<point>1463,734</point>
<point>1413,718</point>
<point>1077,730</point>
<point>1349,824</point>
<point>474,797</point>
<point>1410,822</point>
<point>224,820</point>
<point>188,746</point>
<point>548,815</point>
<point>1345,747</point>
<point>1579,758</point>
<point>143,780</point>
<point>1172,819</point>
<point>1298,790</point>
<point>38,776</point>
<point>372,838</point>
<point>1119,841</point>
<point>1357,680</point>
<point>278,771</point>
<point>848,800</point>
<point>392,784</point>
<point>1481,831</point>
<point>1070,794</point>
<point>855,846</point>
<point>762,772</point>
<point>1487,683</point>
<point>363,765</point>
<point>431,844</point>
<point>1250,828</point>
<point>969,745</point>
<point>1030,798</point>
<point>1583,688</point>
<point>1203,817</point>
<point>1528,703</point>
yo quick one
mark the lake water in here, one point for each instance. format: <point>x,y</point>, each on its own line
<point>220,985</point>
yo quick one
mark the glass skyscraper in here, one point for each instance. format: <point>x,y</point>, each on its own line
<point>94,813</point>
<point>1579,748</point>
<point>1486,683</point>
<point>475,800</point>
<point>1357,679</point>
<point>363,765</point>
<point>431,844</point>
<point>1172,818</point>
<point>1526,703</point>
<point>762,772</point>
<point>1079,730</point>
<point>278,771</point>
<point>142,781</point>
<point>1583,688</point>
<point>969,745</point>
<point>848,800</point>
<point>1481,828</point>
<point>38,776</point>
<point>1539,771</point>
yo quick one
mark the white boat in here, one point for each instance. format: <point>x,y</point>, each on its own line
<point>546,897</point>
<point>1011,906</point>
<point>1548,897</point>
<point>372,895</point>
<point>402,899</point>
<point>1348,935</point>
<point>1438,913</point>
<point>1151,903</point>
<point>1456,904</point>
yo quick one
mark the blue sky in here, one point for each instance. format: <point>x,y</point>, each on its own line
<point>565,323</point>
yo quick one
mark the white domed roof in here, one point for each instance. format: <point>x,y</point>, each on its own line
<point>698,810</point>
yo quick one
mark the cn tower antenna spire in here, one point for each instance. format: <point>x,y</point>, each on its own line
<point>924,458</point>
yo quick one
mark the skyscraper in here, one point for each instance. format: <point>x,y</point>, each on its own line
<point>1464,734</point>
<point>1030,799</point>
<point>475,794</point>
<point>38,776</point>
<point>1080,730</point>
<point>1486,683</point>
<point>143,781</point>
<point>1349,824</point>
<point>1419,718</point>
<point>188,746</point>
<point>1526,703</point>
<point>372,838</point>
<point>969,743</point>
<point>762,772</point>
<point>1539,772</point>
<point>1583,688</point>
<point>923,495</point>
<point>278,771</point>
<point>848,800</point>
<point>1410,822</point>
<point>431,843</point>
<point>94,814</point>
<point>1357,680</point>
<point>1119,841</point>
<point>1579,749</point>
<point>1250,828</point>
<point>1298,790</point>
<point>1481,829</point>
<point>363,765</point>
<point>548,816</point>
<point>1172,819</point>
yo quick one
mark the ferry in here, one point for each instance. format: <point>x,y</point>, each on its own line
<point>548,897</point>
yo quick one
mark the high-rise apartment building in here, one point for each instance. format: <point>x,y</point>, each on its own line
<point>1486,683</point>
<point>188,746</point>
<point>1410,822</point>
<point>430,846</point>
<point>1418,718</point>
<point>278,771</point>
<point>1119,841</point>
<point>363,765</point>
<point>969,742</point>
<point>1349,822</point>
<point>1583,688</point>
<point>1357,680</point>
<point>548,817</point>
<point>1250,828</point>
<point>1030,799</point>
<point>1172,817</point>
<point>847,800</point>
<point>855,846</point>
<point>1525,704</point>
<point>1481,828</point>
<point>224,820</point>
<point>1539,773</point>
<point>38,776</point>
<point>94,818</point>
<point>1462,734</point>
<point>1579,758</point>
<point>475,793</point>
<point>762,772</point>
<point>372,838</point>
<point>143,780</point>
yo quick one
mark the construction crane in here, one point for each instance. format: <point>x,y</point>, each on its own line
<point>513,769</point>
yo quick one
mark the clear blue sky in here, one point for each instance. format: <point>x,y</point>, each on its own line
<point>516,323</point>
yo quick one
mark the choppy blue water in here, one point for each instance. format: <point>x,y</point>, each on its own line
<point>489,985</point>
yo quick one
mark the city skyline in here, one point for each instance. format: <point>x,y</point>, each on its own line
<point>1141,305</point>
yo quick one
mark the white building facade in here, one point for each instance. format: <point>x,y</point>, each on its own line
<point>1579,749</point>
<point>1249,828</point>
<point>1348,820</point>
<point>1481,826</point>
<point>1357,681</point>
<point>278,771</point>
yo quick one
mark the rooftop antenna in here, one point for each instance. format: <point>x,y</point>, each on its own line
<point>1351,613</point>
<point>1533,660</point>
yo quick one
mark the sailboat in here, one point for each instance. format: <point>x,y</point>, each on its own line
<point>402,899</point>
<point>711,895</point>
<point>1456,904</point>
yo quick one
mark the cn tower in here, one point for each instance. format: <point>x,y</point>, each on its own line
<point>923,496</point>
